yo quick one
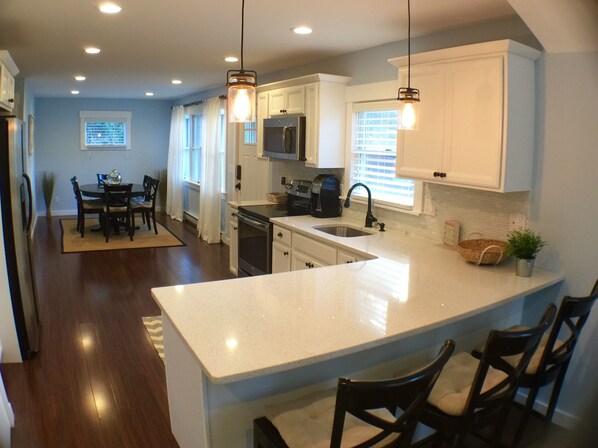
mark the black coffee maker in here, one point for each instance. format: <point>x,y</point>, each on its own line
<point>325,192</point>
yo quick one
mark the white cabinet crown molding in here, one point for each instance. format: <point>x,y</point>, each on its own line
<point>316,77</point>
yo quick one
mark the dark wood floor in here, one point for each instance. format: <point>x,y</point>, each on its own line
<point>97,380</point>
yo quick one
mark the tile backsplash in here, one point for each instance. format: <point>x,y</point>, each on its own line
<point>483,212</point>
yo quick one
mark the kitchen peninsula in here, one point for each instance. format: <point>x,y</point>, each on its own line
<point>234,346</point>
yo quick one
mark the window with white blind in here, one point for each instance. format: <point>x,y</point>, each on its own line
<point>105,130</point>
<point>373,156</point>
<point>192,148</point>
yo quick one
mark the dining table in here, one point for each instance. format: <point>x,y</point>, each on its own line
<point>97,191</point>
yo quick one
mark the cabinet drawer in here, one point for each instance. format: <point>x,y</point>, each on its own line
<point>281,235</point>
<point>322,252</point>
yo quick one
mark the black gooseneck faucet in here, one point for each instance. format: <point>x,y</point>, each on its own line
<point>369,218</point>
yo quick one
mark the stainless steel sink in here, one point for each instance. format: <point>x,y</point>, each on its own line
<point>342,231</point>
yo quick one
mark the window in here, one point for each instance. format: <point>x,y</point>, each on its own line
<point>250,133</point>
<point>373,156</point>
<point>105,130</point>
<point>192,157</point>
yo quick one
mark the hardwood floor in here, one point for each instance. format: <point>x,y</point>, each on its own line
<point>97,380</point>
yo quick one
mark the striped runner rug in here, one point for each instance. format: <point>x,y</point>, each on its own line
<point>153,325</point>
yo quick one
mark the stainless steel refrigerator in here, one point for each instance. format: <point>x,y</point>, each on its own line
<point>15,197</point>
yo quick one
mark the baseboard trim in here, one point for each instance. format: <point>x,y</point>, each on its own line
<point>561,418</point>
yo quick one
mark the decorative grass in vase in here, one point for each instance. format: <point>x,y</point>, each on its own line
<point>48,183</point>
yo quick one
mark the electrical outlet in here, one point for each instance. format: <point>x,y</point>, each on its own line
<point>517,221</point>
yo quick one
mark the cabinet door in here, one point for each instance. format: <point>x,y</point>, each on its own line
<point>234,246</point>
<point>474,112</point>
<point>262,112</point>
<point>420,153</point>
<point>294,100</point>
<point>301,261</point>
<point>281,258</point>
<point>7,88</point>
<point>349,257</point>
<point>276,103</point>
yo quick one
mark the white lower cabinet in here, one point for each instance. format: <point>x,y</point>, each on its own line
<point>349,257</point>
<point>300,261</point>
<point>281,258</point>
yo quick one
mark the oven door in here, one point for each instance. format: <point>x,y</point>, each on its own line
<point>255,246</point>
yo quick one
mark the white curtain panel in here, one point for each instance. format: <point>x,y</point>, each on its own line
<point>174,192</point>
<point>208,224</point>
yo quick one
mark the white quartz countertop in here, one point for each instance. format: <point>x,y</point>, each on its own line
<point>249,327</point>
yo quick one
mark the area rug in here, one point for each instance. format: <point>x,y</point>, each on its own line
<point>95,241</point>
<point>153,325</point>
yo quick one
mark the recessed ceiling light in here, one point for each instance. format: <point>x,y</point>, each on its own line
<point>231,59</point>
<point>74,92</point>
<point>149,93</point>
<point>177,81</point>
<point>80,78</point>
<point>301,30</point>
<point>92,50</point>
<point>109,8</point>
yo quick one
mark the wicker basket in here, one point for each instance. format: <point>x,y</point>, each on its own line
<point>278,198</point>
<point>482,251</point>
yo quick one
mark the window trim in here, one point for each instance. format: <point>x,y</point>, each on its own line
<point>360,102</point>
<point>107,116</point>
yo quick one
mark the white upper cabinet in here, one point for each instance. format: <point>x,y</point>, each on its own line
<point>289,101</point>
<point>476,117</point>
<point>321,98</point>
<point>8,70</point>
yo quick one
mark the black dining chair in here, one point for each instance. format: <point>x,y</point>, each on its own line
<point>147,208</point>
<point>472,394</point>
<point>551,360</point>
<point>101,178</point>
<point>117,211</point>
<point>364,413</point>
<point>94,206</point>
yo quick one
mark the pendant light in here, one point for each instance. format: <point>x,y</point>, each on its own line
<point>241,87</point>
<point>408,96</point>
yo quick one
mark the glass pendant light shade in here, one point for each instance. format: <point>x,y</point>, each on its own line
<point>241,96</point>
<point>408,109</point>
<point>408,97</point>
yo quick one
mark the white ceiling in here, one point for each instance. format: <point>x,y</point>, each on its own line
<point>153,41</point>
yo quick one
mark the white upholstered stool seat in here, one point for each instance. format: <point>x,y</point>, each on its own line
<point>307,422</point>
<point>451,391</point>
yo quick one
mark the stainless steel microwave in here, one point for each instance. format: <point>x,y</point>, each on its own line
<point>284,137</point>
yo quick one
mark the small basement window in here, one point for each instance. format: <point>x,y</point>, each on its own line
<point>105,130</point>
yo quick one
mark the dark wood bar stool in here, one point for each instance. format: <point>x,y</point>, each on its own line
<point>472,394</point>
<point>551,360</point>
<point>321,418</point>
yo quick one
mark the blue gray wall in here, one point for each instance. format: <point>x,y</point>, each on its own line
<point>57,144</point>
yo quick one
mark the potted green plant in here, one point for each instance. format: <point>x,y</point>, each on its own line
<point>48,182</point>
<point>524,245</point>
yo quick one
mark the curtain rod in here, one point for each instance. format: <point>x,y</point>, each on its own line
<point>197,103</point>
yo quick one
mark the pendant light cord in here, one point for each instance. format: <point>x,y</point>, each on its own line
<point>408,44</point>
<point>242,30</point>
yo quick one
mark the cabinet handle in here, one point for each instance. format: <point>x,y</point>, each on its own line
<point>279,234</point>
<point>349,261</point>
<point>442,175</point>
<point>285,253</point>
<point>306,264</point>
<point>235,228</point>
<point>11,100</point>
<point>436,174</point>
<point>233,214</point>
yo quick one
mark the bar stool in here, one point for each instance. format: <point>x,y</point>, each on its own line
<point>320,419</point>
<point>471,394</point>
<point>551,360</point>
